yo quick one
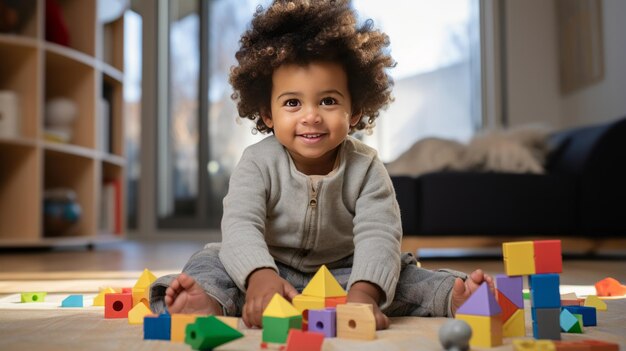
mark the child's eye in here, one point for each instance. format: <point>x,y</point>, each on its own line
<point>292,103</point>
<point>328,101</point>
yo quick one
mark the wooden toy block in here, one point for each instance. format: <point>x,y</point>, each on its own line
<point>99,299</point>
<point>610,287</point>
<point>73,301</point>
<point>179,325</point>
<point>323,285</point>
<point>514,326</point>
<point>567,321</point>
<point>299,340</point>
<point>137,313</point>
<point>145,280</point>
<point>578,326</point>
<point>519,257</point>
<point>533,345</point>
<point>569,296</point>
<point>356,321</point>
<point>486,330</point>
<point>127,290</point>
<point>576,302</point>
<point>481,303</point>
<point>207,333</point>
<point>548,258</point>
<point>508,307</point>
<point>232,322</point>
<point>544,290</point>
<point>157,327</point>
<point>546,323</point>
<point>511,287</point>
<point>304,303</point>
<point>323,321</point>
<point>588,313</point>
<point>594,301</point>
<point>597,345</point>
<point>571,346</point>
<point>141,295</point>
<point>117,305</point>
<point>334,301</point>
<point>278,317</point>
<point>28,297</point>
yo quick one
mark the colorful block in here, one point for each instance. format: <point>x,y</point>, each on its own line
<point>323,284</point>
<point>334,301</point>
<point>137,313</point>
<point>179,325</point>
<point>117,305</point>
<point>610,287</point>
<point>567,321</point>
<point>512,288</point>
<point>232,322</point>
<point>73,301</point>
<point>519,258</point>
<point>33,297</point>
<point>279,307</point>
<point>323,321</point>
<point>544,290</point>
<point>99,299</point>
<point>486,330</point>
<point>514,326</point>
<point>588,313</point>
<point>594,301</point>
<point>481,303</point>
<point>508,307</point>
<point>548,258</point>
<point>546,323</point>
<point>356,321</point>
<point>597,345</point>
<point>157,327</point>
<point>533,345</point>
<point>304,303</point>
<point>207,333</point>
<point>276,329</point>
<point>299,340</point>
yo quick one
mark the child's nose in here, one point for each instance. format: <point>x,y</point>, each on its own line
<point>311,116</point>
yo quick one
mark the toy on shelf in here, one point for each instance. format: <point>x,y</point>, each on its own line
<point>207,333</point>
<point>455,335</point>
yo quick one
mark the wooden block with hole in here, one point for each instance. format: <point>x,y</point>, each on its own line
<point>117,305</point>
<point>356,321</point>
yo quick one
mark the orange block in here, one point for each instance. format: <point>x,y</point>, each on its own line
<point>334,301</point>
<point>610,287</point>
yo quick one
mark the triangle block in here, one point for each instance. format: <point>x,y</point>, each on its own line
<point>136,314</point>
<point>594,301</point>
<point>511,287</point>
<point>145,280</point>
<point>99,299</point>
<point>508,307</point>
<point>209,332</point>
<point>566,320</point>
<point>323,285</point>
<point>280,308</point>
<point>577,327</point>
<point>480,303</point>
<point>515,325</point>
<point>73,301</point>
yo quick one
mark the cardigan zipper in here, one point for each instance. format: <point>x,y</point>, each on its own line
<point>308,239</point>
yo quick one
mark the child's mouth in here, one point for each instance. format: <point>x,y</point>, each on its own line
<point>311,138</point>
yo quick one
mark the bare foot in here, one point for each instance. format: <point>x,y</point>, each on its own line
<point>463,289</point>
<point>185,295</point>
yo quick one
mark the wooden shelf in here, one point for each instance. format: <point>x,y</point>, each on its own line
<point>37,70</point>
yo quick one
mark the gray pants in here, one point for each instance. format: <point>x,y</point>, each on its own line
<point>420,292</point>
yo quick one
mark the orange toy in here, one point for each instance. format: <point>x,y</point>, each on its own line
<point>610,287</point>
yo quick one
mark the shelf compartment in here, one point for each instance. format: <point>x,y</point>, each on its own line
<point>74,80</point>
<point>112,203</point>
<point>113,43</point>
<point>79,18</point>
<point>111,128</point>
<point>19,72</point>
<point>20,192</point>
<point>27,22</point>
<point>62,170</point>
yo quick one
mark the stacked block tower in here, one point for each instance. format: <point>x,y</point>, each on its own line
<point>482,312</point>
<point>541,261</point>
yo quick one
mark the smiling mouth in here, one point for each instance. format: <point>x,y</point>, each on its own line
<point>311,136</point>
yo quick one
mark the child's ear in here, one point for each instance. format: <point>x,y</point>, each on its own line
<point>267,119</point>
<point>356,117</point>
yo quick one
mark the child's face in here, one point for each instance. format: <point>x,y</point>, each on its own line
<point>311,113</point>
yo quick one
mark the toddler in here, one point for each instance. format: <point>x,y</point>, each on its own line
<point>310,194</point>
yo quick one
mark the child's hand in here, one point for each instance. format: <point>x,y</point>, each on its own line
<point>262,285</point>
<point>364,292</point>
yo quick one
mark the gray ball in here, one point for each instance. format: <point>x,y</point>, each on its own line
<point>454,335</point>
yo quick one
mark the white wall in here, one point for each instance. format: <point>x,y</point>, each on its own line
<point>533,73</point>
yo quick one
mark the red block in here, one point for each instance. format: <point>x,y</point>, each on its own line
<point>299,340</point>
<point>571,346</point>
<point>334,301</point>
<point>117,305</point>
<point>507,306</point>
<point>597,345</point>
<point>548,258</point>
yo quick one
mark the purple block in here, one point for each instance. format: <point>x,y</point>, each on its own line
<point>480,303</point>
<point>323,321</point>
<point>511,287</point>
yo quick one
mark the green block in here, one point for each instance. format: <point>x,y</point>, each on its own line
<point>33,297</point>
<point>577,327</point>
<point>526,295</point>
<point>208,333</point>
<point>275,329</point>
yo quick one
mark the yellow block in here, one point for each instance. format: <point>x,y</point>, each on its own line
<point>515,325</point>
<point>304,302</point>
<point>486,330</point>
<point>99,299</point>
<point>145,280</point>
<point>594,301</point>
<point>519,258</point>
<point>232,322</point>
<point>323,285</point>
<point>279,307</point>
<point>136,314</point>
<point>140,295</point>
<point>533,345</point>
<point>179,323</point>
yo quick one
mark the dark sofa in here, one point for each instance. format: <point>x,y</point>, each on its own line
<point>582,193</point>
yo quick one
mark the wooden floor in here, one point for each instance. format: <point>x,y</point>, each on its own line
<point>164,255</point>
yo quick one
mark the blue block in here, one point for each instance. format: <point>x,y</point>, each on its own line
<point>544,290</point>
<point>588,313</point>
<point>157,328</point>
<point>73,301</point>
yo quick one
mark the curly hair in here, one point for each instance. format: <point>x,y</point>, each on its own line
<point>303,31</point>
